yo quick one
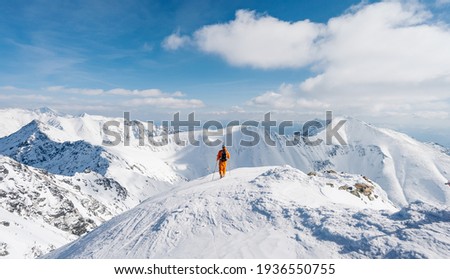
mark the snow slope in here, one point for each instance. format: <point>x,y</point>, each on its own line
<point>65,150</point>
<point>408,170</point>
<point>62,188</point>
<point>20,238</point>
<point>42,146</point>
<point>44,211</point>
<point>269,212</point>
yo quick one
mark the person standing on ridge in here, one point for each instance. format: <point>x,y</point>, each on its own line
<point>222,157</point>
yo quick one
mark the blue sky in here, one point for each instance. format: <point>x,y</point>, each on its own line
<point>111,44</point>
<point>385,62</point>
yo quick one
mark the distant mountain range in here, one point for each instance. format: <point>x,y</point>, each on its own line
<point>57,178</point>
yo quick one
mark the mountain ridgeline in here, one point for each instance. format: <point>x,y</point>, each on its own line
<point>58,179</point>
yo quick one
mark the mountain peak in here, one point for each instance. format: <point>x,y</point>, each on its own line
<point>32,146</point>
<point>31,129</point>
<point>46,110</point>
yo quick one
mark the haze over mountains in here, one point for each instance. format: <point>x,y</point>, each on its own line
<point>58,182</point>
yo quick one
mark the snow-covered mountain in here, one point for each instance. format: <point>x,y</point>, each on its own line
<point>65,188</point>
<point>33,147</point>
<point>408,170</point>
<point>270,212</point>
<point>42,146</point>
<point>41,210</point>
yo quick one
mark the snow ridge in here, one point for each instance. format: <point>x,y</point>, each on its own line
<point>271,212</point>
<point>31,146</point>
<point>57,178</point>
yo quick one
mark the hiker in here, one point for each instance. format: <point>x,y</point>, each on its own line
<point>222,157</point>
<point>448,183</point>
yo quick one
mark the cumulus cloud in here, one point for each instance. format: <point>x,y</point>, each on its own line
<point>377,59</point>
<point>175,41</point>
<point>261,41</point>
<point>384,58</point>
<point>387,42</point>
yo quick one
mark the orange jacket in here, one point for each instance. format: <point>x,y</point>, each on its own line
<point>219,155</point>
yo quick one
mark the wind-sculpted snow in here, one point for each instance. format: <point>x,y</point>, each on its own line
<point>368,234</point>
<point>272,212</point>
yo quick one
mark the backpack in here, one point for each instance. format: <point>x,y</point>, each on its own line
<point>223,157</point>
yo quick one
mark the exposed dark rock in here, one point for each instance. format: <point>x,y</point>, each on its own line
<point>109,184</point>
<point>32,147</point>
<point>3,249</point>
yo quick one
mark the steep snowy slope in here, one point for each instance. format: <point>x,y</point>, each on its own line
<point>66,188</point>
<point>407,170</point>
<point>62,148</point>
<point>44,211</point>
<point>21,238</point>
<point>271,212</point>
<point>44,147</point>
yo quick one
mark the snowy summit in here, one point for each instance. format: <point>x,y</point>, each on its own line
<point>269,212</point>
<point>62,191</point>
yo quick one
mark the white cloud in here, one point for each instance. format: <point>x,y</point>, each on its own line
<point>386,42</point>
<point>384,58</point>
<point>261,41</point>
<point>166,102</point>
<point>287,98</point>
<point>175,41</point>
<point>178,94</point>
<point>379,59</point>
<point>146,97</point>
